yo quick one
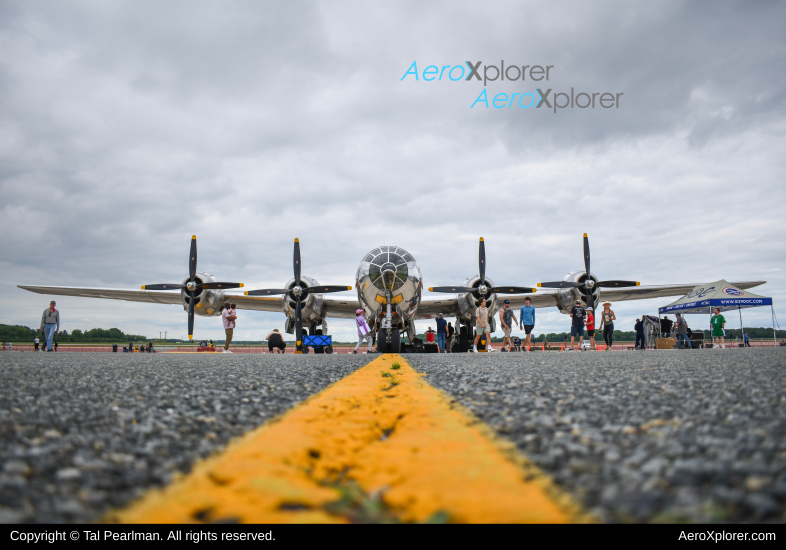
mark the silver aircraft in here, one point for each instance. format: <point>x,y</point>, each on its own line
<point>389,287</point>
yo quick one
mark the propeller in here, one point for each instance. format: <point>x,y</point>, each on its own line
<point>588,284</point>
<point>192,286</point>
<point>483,290</point>
<point>299,292</point>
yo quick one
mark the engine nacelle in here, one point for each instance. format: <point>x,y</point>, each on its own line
<point>207,302</point>
<point>469,302</point>
<point>311,308</point>
<point>566,299</point>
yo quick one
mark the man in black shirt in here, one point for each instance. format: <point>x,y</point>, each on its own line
<point>578,314</point>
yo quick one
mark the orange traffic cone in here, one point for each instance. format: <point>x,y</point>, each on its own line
<point>562,348</point>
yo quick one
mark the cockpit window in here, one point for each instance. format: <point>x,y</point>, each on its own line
<point>388,270</point>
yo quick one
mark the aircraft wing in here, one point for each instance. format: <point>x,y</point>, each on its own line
<point>449,306</point>
<point>658,291</point>
<point>337,306</point>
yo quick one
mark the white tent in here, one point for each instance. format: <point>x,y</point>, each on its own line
<point>720,294</point>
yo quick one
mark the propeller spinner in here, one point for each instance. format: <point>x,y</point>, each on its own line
<point>300,293</point>
<point>192,286</point>
<point>483,290</point>
<point>588,284</point>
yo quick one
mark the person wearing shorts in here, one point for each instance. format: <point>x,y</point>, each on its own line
<point>577,314</point>
<point>482,327</point>
<point>718,323</point>
<point>506,319</point>
<point>591,327</point>
<point>364,333</point>
<point>527,320</point>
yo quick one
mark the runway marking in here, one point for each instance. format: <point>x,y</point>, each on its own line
<point>379,445</point>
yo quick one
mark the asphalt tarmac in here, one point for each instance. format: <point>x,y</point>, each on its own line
<point>633,436</point>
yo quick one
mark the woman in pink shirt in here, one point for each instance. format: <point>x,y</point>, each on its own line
<point>364,332</point>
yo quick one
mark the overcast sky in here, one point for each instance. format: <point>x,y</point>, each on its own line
<point>126,127</point>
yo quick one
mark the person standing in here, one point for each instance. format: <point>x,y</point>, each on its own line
<point>639,328</point>
<point>35,343</point>
<point>745,342</point>
<point>364,333</point>
<point>591,327</point>
<point>50,324</point>
<point>718,323</point>
<point>682,331</point>
<point>577,314</point>
<point>482,327</point>
<point>55,345</point>
<point>527,319</point>
<point>665,327</point>
<point>229,325</point>
<point>449,341</point>
<point>442,333</point>
<point>607,318</point>
<point>506,319</point>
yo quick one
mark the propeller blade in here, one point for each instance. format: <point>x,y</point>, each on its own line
<point>298,327</point>
<point>586,255</point>
<point>513,290</point>
<point>297,262</point>
<point>325,289</point>
<point>590,300</point>
<point>560,284</point>
<point>191,316</point>
<point>162,287</point>
<point>192,261</point>
<point>267,292</point>
<point>617,284</point>
<point>482,261</point>
<point>221,285</point>
<point>451,289</point>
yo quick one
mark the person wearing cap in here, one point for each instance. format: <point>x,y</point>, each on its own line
<point>577,314</point>
<point>50,324</point>
<point>591,326</point>
<point>527,319</point>
<point>506,319</point>
<point>682,331</point>
<point>364,333</point>
<point>442,332</point>
<point>607,318</point>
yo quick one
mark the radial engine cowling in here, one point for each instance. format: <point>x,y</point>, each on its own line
<point>566,299</point>
<point>311,307</point>
<point>206,302</point>
<point>468,303</point>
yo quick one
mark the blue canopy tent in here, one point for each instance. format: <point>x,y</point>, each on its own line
<point>722,295</point>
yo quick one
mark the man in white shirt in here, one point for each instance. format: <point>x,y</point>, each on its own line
<point>482,327</point>
<point>229,325</point>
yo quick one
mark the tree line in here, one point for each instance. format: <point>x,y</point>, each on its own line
<point>18,333</point>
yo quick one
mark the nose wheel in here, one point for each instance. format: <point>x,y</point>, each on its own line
<point>389,345</point>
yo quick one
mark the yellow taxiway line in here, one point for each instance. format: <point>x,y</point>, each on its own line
<point>380,442</point>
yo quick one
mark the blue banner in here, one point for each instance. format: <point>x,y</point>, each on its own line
<point>725,304</point>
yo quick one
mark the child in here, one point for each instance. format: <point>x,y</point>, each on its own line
<point>232,311</point>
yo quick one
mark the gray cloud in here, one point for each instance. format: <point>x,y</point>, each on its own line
<point>127,128</point>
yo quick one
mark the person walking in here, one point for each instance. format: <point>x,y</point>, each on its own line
<point>607,318</point>
<point>577,315</point>
<point>50,324</point>
<point>442,333</point>
<point>449,341</point>
<point>229,325</point>
<point>275,342</point>
<point>591,327</point>
<point>482,327</point>
<point>682,331</point>
<point>639,328</point>
<point>35,343</point>
<point>527,322</point>
<point>718,323</point>
<point>506,319</point>
<point>364,333</point>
